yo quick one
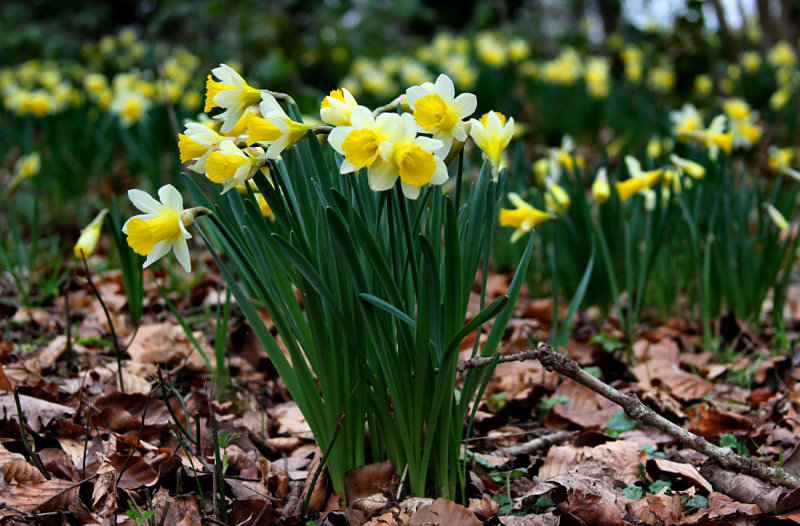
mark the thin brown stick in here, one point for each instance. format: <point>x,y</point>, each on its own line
<point>475,363</point>
<point>536,444</point>
<point>634,408</point>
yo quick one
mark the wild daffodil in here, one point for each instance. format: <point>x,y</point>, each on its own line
<point>89,237</point>
<point>229,166</point>
<point>337,107</point>
<point>492,133</point>
<point>232,93</point>
<point>438,111</point>
<point>162,227</point>
<point>290,130</point>
<point>524,217</point>
<point>360,142</point>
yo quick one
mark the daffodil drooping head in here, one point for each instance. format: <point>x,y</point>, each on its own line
<point>524,217</point>
<point>232,93</point>
<point>416,161</point>
<point>337,107</point>
<point>438,111</point>
<point>90,236</point>
<point>289,131</point>
<point>492,134</point>
<point>601,190</point>
<point>360,142</point>
<point>229,166</point>
<point>161,228</point>
<point>196,143</point>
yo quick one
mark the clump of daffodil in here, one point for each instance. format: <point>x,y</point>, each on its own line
<point>360,142</point>
<point>415,160</point>
<point>337,107</point>
<point>597,77</point>
<point>26,167</point>
<point>284,132</point>
<point>524,217</point>
<point>492,133</point>
<point>89,237</point>
<point>162,227</point>
<point>633,58</point>
<point>438,111</point>
<point>232,93</point>
<point>782,54</point>
<point>751,61</point>
<point>565,69</point>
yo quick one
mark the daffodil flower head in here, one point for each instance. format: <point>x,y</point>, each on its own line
<point>337,107</point>
<point>601,190</point>
<point>685,121</point>
<point>232,93</point>
<point>130,106</point>
<point>416,161</point>
<point>229,166</point>
<point>524,217</point>
<point>492,133</point>
<point>696,170</point>
<point>780,159</point>
<point>89,237</point>
<point>360,143</point>
<point>715,138</point>
<point>161,228</point>
<point>438,111</point>
<point>290,131</point>
<point>556,199</point>
<point>196,143</point>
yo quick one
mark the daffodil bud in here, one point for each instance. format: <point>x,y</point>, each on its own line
<point>90,235</point>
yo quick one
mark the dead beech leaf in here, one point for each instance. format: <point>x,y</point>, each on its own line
<point>371,504</point>
<point>104,493</point>
<point>657,509</point>
<point>444,512</point>
<point>484,508</point>
<point>38,413</point>
<point>167,343</point>
<point>709,422</point>
<point>412,504</point>
<point>50,354</point>
<point>290,420</point>
<point>687,472</point>
<point>621,457</point>
<point>364,481</point>
<point>544,519</point>
<point>593,500</point>
<point>38,497</point>
<point>721,506</point>
<point>137,474</point>
<point>671,378</point>
<point>585,407</point>
<point>15,468</point>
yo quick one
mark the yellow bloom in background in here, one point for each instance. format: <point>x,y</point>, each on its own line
<point>196,143</point>
<point>491,50</point>
<point>524,217</point>
<point>782,54</point>
<point>541,167</point>
<point>601,190</point>
<point>640,181</point>
<point>715,138</point>
<point>703,84</point>
<point>360,142</point>
<point>776,216</point>
<point>662,78</point>
<point>438,111</point>
<point>415,160</point>
<point>130,106</point>
<point>231,93</point>
<point>556,199</point>
<point>26,167</point>
<point>89,237</point>
<point>695,170</point>
<point>491,134</point>
<point>597,77</point>
<point>229,166</point>
<point>780,158</point>
<point>162,227</point>
<point>337,107</point>
<point>685,121</point>
<point>751,61</point>
<point>290,131</point>
<point>779,99</point>
<point>518,49</point>
<point>565,69</point>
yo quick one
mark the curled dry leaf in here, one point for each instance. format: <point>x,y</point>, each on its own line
<point>484,508</point>
<point>657,466</point>
<point>443,513</point>
<point>38,413</point>
<point>15,468</point>
<point>412,504</point>
<point>660,374</point>
<point>365,481</point>
<point>584,407</point>
<point>657,509</point>
<point>167,343</point>
<point>38,497</point>
<point>104,493</point>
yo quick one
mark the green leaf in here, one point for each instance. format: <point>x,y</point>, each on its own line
<point>632,491</point>
<point>658,485</point>
<point>619,423</point>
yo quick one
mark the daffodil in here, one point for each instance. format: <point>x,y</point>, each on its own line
<point>26,167</point>
<point>640,181</point>
<point>130,106</point>
<point>556,199</point>
<point>360,142</point>
<point>196,143</point>
<point>715,138</point>
<point>415,160</point>
<point>492,133</point>
<point>232,93</point>
<point>686,121</point>
<point>780,158</point>
<point>601,190</point>
<point>524,217</point>
<point>89,237</point>
<point>695,170</point>
<point>290,131</point>
<point>776,216</point>
<point>337,107</point>
<point>438,111</point>
<point>229,166</point>
<point>161,228</point>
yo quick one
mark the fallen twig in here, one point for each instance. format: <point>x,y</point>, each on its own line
<point>475,363</point>
<point>634,408</point>
<point>535,444</point>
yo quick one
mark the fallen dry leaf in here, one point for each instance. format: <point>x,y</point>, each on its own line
<point>621,456</point>
<point>544,519</point>
<point>15,468</point>
<point>484,508</point>
<point>38,413</point>
<point>104,493</point>
<point>443,513</point>
<point>585,407</point>
<point>165,343</point>
<point>37,497</point>
<point>658,466</point>
<point>365,481</point>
